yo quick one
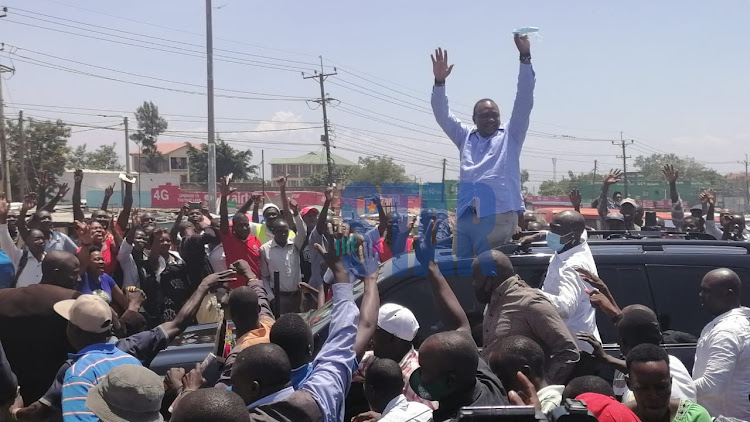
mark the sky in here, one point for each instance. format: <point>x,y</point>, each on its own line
<point>671,75</point>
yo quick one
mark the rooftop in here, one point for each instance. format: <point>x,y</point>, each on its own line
<point>313,158</point>
<point>169,147</point>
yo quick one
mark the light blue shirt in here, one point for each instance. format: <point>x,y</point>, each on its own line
<point>272,398</point>
<point>493,161</point>
<point>331,376</point>
<point>60,242</point>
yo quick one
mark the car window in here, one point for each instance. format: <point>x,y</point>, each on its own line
<point>415,293</point>
<point>676,288</point>
<point>629,286</point>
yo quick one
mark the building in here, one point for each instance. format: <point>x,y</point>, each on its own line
<point>176,160</point>
<point>304,166</point>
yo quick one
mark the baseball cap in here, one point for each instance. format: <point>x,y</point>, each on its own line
<point>630,201</point>
<point>615,216</point>
<point>607,409</point>
<point>89,313</point>
<point>398,320</point>
<point>696,207</point>
<point>129,393</point>
<point>307,210</point>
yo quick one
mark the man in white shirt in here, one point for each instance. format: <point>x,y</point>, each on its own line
<point>282,254</point>
<point>563,285</point>
<point>722,357</point>
<point>383,387</point>
<point>27,262</point>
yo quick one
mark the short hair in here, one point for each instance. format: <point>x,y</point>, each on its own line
<point>385,377</point>
<point>483,100</point>
<point>587,384</point>
<point>243,304</point>
<point>265,363</point>
<point>518,351</point>
<point>646,353</point>
<point>639,325</point>
<point>291,333</point>
<point>211,404</point>
<point>615,193</point>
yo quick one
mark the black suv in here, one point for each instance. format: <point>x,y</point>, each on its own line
<point>664,274</point>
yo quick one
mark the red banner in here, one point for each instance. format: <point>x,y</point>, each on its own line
<point>171,196</point>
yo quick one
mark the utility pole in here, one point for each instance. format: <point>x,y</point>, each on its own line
<point>623,144</point>
<point>321,77</point>
<point>554,169</point>
<point>593,177</point>
<point>747,182</point>
<point>4,159</point>
<point>22,158</point>
<point>210,87</point>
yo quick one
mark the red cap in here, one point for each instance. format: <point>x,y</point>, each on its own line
<point>607,409</point>
<point>308,209</point>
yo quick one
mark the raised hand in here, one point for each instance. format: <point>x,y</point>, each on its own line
<point>425,246</point>
<point>575,198</point>
<point>78,176</point>
<point>613,177</point>
<point>329,252</point>
<point>256,197</point>
<point>589,338</point>
<point>293,206</point>
<point>109,190</point>
<point>4,206</point>
<point>84,233</point>
<point>29,202</point>
<point>136,297</point>
<point>710,197</point>
<point>62,190</point>
<point>225,276</point>
<point>601,302</point>
<point>242,268</point>
<point>329,193</point>
<point>440,67</point>
<point>193,380</point>
<point>527,396</point>
<point>364,263</point>
<point>670,173</point>
<point>281,181</point>
<point>225,187</point>
<point>522,43</point>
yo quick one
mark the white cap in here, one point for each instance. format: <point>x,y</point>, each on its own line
<point>89,313</point>
<point>398,320</point>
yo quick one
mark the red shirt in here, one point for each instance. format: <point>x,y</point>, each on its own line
<point>235,249</point>
<point>385,251</point>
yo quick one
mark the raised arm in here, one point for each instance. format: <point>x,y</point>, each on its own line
<point>108,192</point>
<point>447,121</point>
<point>301,235</point>
<point>709,197</point>
<point>84,236</point>
<point>176,226</point>
<point>678,211</point>
<point>256,206</point>
<point>127,207</point>
<point>613,177</point>
<point>77,210</point>
<point>382,218</point>
<point>62,190</point>
<point>41,189</point>
<point>518,123</point>
<point>225,190</point>
<point>242,268</point>
<point>575,199</point>
<point>281,181</point>
<point>446,302</point>
<point>6,242</point>
<point>323,216</point>
<point>29,202</point>
<point>368,315</point>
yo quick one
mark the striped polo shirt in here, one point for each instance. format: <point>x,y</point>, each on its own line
<point>90,366</point>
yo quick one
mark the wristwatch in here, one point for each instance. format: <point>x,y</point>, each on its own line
<point>439,83</point>
<point>525,58</point>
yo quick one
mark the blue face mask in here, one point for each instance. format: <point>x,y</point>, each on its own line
<point>554,241</point>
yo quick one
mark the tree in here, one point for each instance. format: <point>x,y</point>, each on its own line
<point>228,160</point>
<point>566,184</point>
<point>378,170</point>
<point>104,158</point>
<point>690,169</point>
<point>150,126</point>
<point>46,149</point>
<point>344,173</point>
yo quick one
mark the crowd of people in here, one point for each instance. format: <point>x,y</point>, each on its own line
<point>81,321</point>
